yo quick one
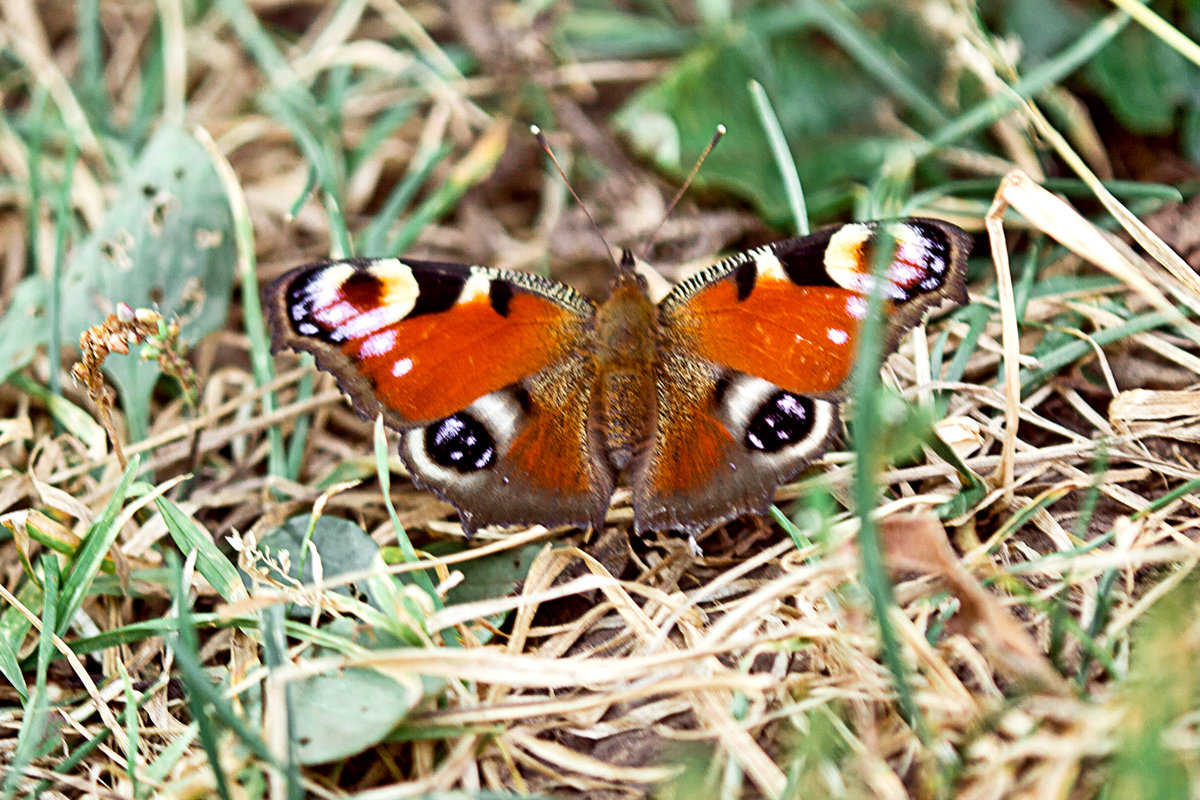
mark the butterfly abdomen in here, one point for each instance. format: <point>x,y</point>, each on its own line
<point>627,354</point>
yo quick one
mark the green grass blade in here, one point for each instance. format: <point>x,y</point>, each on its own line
<point>847,29</point>
<point>96,543</point>
<point>207,704</point>
<point>783,157</point>
<point>1042,77</point>
<point>34,738</point>
<point>158,769</point>
<point>374,235</point>
<point>261,363</point>
<point>385,486</point>
<point>275,655</point>
<point>210,561</point>
<point>131,731</point>
<point>90,85</point>
<point>868,462</point>
<point>63,215</point>
<point>1053,362</point>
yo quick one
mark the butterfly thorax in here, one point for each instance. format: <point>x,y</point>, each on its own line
<point>626,362</point>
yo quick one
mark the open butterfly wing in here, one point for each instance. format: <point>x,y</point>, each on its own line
<point>480,369</point>
<point>759,348</point>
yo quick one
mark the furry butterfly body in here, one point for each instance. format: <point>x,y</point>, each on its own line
<point>519,400</point>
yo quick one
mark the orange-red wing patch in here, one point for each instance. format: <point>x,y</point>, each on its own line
<point>419,341</point>
<point>691,454</point>
<point>546,469</point>
<point>551,450</point>
<point>801,338</point>
<point>790,312</point>
<point>692,449</point>
<point>438,363</point>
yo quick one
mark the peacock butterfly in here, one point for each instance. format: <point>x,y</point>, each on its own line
<point>518,400</point>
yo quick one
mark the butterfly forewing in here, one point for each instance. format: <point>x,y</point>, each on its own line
<point>790,312</point>
<point>419,340</point>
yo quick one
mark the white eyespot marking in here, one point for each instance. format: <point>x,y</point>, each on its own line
<point>335,314</point>
<point>324,288</point>
<point>368,322</point>
<point>377,344</point>
<point>856,307</point>
<point>400,288</point>
<point>837,335</point>
<point>499,415</point>
<point>743,397</point>
<point>476,288</point>
<point>844,256</point>
<point>822,425</point>
<point>769,267</point>
<point>499,412</point>
<point>402,367</point>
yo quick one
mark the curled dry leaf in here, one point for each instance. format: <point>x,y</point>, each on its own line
<point>918,543</point>
<point>961,434</point>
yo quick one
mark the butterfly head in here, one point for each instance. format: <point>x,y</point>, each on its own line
<point>628,279</point>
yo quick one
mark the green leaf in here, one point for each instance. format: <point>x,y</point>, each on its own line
<point>672,120</point>
<point>166,243</point>
<point>1043,28</point>
<point>342,546</point>
<point>1143,79</point>
<point>343,713</point>
<point>23,329</point>
<point>491,576</point>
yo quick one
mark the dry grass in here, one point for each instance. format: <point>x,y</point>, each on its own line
<point>1024,666</point>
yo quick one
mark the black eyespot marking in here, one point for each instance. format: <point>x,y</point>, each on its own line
<point>437,292</point>
<point>719,390</point>
<point>499,295</point>
<point>784,419</point>
<point>744,278</point>
<point>523,398</point>
<point>460,442</point>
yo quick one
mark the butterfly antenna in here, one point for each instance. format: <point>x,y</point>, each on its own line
<point>716,137</point>
<point>541,137</point>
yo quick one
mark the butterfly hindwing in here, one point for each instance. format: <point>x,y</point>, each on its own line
<point>524,454</point>
<point>725,455</point>
<point>759,348</point>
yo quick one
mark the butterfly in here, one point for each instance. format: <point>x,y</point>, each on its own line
<point>520,401</point>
